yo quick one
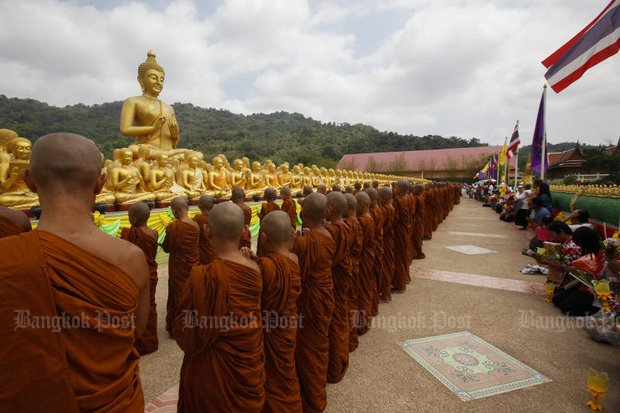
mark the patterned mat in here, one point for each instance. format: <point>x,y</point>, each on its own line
<point>470,367</point>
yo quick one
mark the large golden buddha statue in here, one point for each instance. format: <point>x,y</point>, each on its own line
<point>128,183</point>
<point>13,190</point>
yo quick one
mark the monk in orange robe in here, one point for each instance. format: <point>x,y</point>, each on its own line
<point>428,212</point>
<point>402,238</point>
<point>238,198</point>
<point>418,221</point>
<point>411,203</point>
<point>385,284</point>
<point>379,221</point>
<point>315,305</point>
<point>357,238</point>
<point>341,273</point>
<point>367,284</point>
<point>219,326</point>
<point>69,270</point>
<point>206,250</point>
<point>288,205</point>
<point>13,222</point>
<point>181,242</point>
<point>145,238</point>
<point>281,289</point>
<point>267,207</point>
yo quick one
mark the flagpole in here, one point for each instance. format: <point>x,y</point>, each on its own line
<point>543,158</point>
<point>516,169</point>
<point>506,162</point>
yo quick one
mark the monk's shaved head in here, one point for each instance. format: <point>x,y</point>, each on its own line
<point>418,188</point>
<point>139,213</point>
<point>363,199</point>
<point>65,162</point>
<point>372,193</point>
<point>351,201</point>
<point>338,202</point>
<point>270,194</point>
<point>277,226</point>
<point>238,194</point>
<point>179,203</point>
<point>226,221</point>
<point>307,190</point>
<point>285,190</point>
<point>321,188</point>
<point>315,206</point>
<point>385,193</point>
<point>206,202</point>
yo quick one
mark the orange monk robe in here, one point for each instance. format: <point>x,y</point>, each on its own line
<point>265,209</point>
<point>428,215</point>
<point>402,238</point>
<point>147,343</point>
<point>315,307</point>
<point>379,221</point>
<point>48,275</point>
<point>357,237</point>
<point>206,250</point>
<point>339,327</point>
<point>418,226</point>
<point>182,243</point>
<point>411,205</point>
<point>246,237</point>
<point>281,289</point>
<point>385,285</point>
<point>219,328</point>
<point>8,227</point>
<point>366,282</point>
<point>290,207</point>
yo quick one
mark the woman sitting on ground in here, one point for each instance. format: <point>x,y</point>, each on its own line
<point>566,248</point>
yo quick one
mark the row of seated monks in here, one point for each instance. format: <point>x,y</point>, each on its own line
<point>134,175</point>
<point>263,330</point>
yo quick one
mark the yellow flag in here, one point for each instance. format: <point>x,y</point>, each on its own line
<point>502,155</point>
<point>527,175</point>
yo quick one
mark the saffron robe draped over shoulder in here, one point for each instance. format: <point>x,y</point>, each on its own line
<point>357,239</point>
<point>206,250</point>
<point>385,284</point>
<point>8,227</point>
<point>147,343</point>
<point>281,289</point>
<point>315,307</point>
<point>265,209</point>
<point>340,325</point>
<point>246,238</point>
<point>220,330</point>
<point>418,226</point>
<point>54,277</point>
<point>402,239</point>
<point>379,221</point>
<point>182,243</point>
<point>366,281</point>
<point>290,207</point>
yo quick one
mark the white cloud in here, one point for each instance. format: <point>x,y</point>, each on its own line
<point>463,67</point>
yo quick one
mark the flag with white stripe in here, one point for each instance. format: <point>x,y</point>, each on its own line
<point>515,141</point>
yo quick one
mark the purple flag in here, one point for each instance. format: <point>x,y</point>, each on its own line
<point>540,139</point>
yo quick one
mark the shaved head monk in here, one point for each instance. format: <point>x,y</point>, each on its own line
<point>219,326</point>
<point>268,206</point>
<point>281,289</point>
<point>385,203</point>
<point>377,216</point>
<point>341,273</point>
<point>206,251</point>
<point>69,269</point>
<point>13,222</point>
<point>145,238</point>
<point>181,242</point>
<point>238,198</point>
<point>288,205</point>
<point>402,237</point>
<point>357,238</point>
<point>367,284</point>
<point>315,304</point>
<point>418,221</point>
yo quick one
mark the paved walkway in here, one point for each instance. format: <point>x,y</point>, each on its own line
<point>455,280</point>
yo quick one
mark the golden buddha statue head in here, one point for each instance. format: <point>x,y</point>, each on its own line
<point>271,167</point>
<point>6,136</point>
<point>192,161</point>
<point>246,162</point>
<point>238,165</point>
<point>296,169</point>
<point>151,75</point>
<point>284,168</point>
<point>218,162</point>
<point>126,156</point>
<point>256,167</point>
<point>163,160</point>
<point>20,148</point>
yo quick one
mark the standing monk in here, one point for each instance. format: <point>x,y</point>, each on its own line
<point>428,212</point>
<point>315,304</point>
<point>341,273</point>
<point>13,222</point>
<point>418,221</point>
<point>238,197</point>
<point>206,251</point>
<point>145,238</point>
<point>181,242</point>
<point>268,206</point>
<point>377,216</point>
<point>69,268</point>
<point>402,237</point>
<point>281,289</point>
<point>385,203</point>
<point>219,326</point>
<point>288,205</point>
<point>367,284</point>
<point>357,238</point>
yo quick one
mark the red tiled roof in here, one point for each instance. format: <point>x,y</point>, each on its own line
<point>424,160</point>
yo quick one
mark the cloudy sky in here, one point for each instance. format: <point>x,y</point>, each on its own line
<point>467,68</point>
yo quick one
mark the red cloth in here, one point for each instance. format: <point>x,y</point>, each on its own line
<point>246,238</point>
<point>290,207</point>
<point>181,243</point>
<point>366,281</point>
<point>385,285</point>
<point>357,239</point>
<point>147,343</point>
<point>402,238</point>
<point>377,267</point>
<point>223,368</point>
<point>206,250</point>
<point>418,226</point>
<point>315,307</point>
<point>281,289</point>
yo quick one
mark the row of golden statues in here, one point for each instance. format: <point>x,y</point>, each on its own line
<point>155,169</point>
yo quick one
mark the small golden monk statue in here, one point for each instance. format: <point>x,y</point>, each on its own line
<point>13,190</point>
<point>297,179</point>
<point>163,180</point>
<point>218,178</point>
<point>192,177</point>
<point>106,196</point>
<point>128,183</point>
<point>271,176</point>
<point>256,182</point>
<point>239,176</point>
<point>284,176</point>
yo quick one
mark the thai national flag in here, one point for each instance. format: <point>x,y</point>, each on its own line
<point>596,42</point>
<point>515,141</point>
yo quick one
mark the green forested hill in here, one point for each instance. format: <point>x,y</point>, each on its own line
<point>280,136</point>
